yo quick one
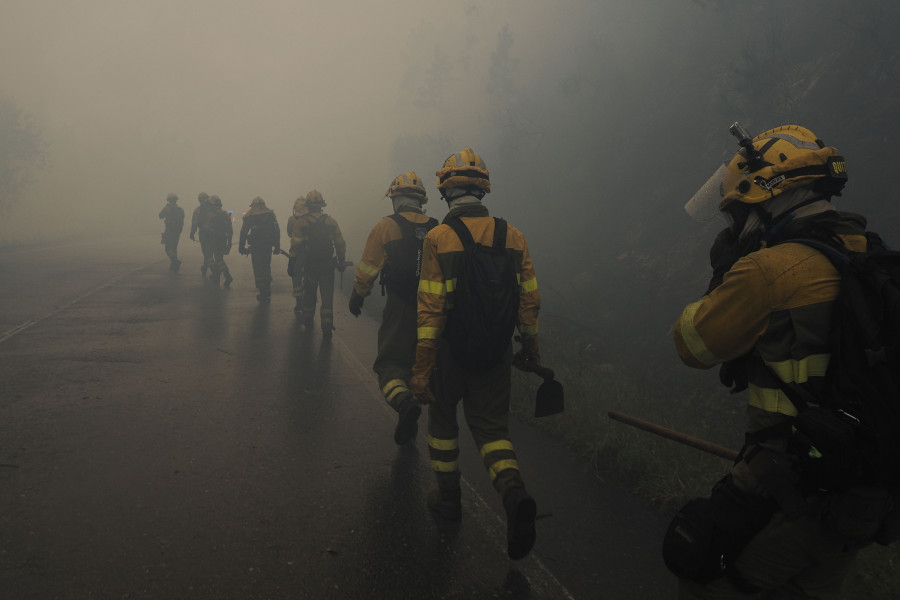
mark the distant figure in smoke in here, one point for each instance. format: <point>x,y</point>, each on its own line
<point>200,222</point>
<point>173,217</point>
<point>315,240</point>
<point>260,230</point>
<point>296,270</point>
<point>220,232</point>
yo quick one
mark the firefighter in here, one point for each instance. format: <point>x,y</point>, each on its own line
<point>766,320</point>
<point>200,223</point>
<point>317,248</point>
<point>220,232</point>
<point>439,376</point>
<point>173,217</point>
<point>296,274</point>
<point>260,230</point>
<point>394,249</point>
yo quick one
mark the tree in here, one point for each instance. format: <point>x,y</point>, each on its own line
<point>22,152</point>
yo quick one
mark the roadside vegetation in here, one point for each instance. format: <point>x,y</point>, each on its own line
<point>662,391</point>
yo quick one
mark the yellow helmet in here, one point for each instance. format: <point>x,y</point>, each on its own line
<point>464,169</point>
<point>299,206</point>
<point>778,160</point>
<point>407,184</point>
<point>258,202</point>
<point>314,199</point>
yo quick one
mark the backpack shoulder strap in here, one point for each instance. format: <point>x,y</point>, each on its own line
<point>402,223</point>
<point>837,257</point>
<point>499,233</point>
<point>465,236</point>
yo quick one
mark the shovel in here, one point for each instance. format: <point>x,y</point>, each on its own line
<point>549,399</point>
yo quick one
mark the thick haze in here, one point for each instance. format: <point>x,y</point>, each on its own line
<point>597,119</point>
<point>137,99</point>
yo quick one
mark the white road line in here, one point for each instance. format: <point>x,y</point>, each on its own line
<point>22,327</point>
<point>366,376</point>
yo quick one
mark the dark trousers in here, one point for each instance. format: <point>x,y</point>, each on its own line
<point>396,349</point>
<point>485,397</point>
<point>319,277</point>
<point>261,258</point>
<point>172,237</point>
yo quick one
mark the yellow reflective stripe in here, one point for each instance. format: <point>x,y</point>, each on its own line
<point>439,444</point>
<point>394,387</point>
<point>502,465</point>
<point>799,371</point>
<point>368,269</point>
<point>451,285</point>
<point>431,287</point>
<point>494,446</point>
<point>771,400</point>
<point>692,339</point>
<point>428,333</point>
<point>443,466</point>
<point>528,329</point>
<point>530,285</point>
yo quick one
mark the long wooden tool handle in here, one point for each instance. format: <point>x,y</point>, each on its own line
<point>676,436</point>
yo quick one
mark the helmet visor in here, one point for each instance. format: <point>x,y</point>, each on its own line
<point>704,204</point>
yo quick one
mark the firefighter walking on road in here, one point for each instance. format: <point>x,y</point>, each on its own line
<point>173,217</point>
<point>260,230</point>
<point>200,224</point>
<point>220,233</point>
<point>394,249</point>
<point>464,350</point>
<point>317,248</point>
<point>295,271</point>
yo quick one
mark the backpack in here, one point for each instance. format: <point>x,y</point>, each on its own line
<point>401,272</point>
<point>863,377</point>
<point>319,243</point>
<point>484,306</point>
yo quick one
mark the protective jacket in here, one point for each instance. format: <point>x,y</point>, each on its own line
<point>220,229</point>
<point>774,306</point>
<point>310,230</point>
<point>173,217</point>
<point>260,228</point>
<point>442,251</point>
<point>201,217</point>
<point>383,248</point>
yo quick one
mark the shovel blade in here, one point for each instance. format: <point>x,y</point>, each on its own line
<point>549,399</point>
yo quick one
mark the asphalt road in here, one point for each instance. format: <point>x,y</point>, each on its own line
<point>164,438</point>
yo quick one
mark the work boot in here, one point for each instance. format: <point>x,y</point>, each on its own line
<point>228,279</point>
<point>297,309</point>
<point>408,419</point>
<point>446,503</point>
<point>521,511</point>
<point>176,265</point>
<point>202,270</point>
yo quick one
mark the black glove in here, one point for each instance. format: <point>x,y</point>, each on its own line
<point>276,251</point>
<point>340,265</point>
<point>192,238</point>
<point>356,302</point>
<point>243,250</point>
<point>227,247</point>
<point>291,262</point>
<point>733,374</point>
